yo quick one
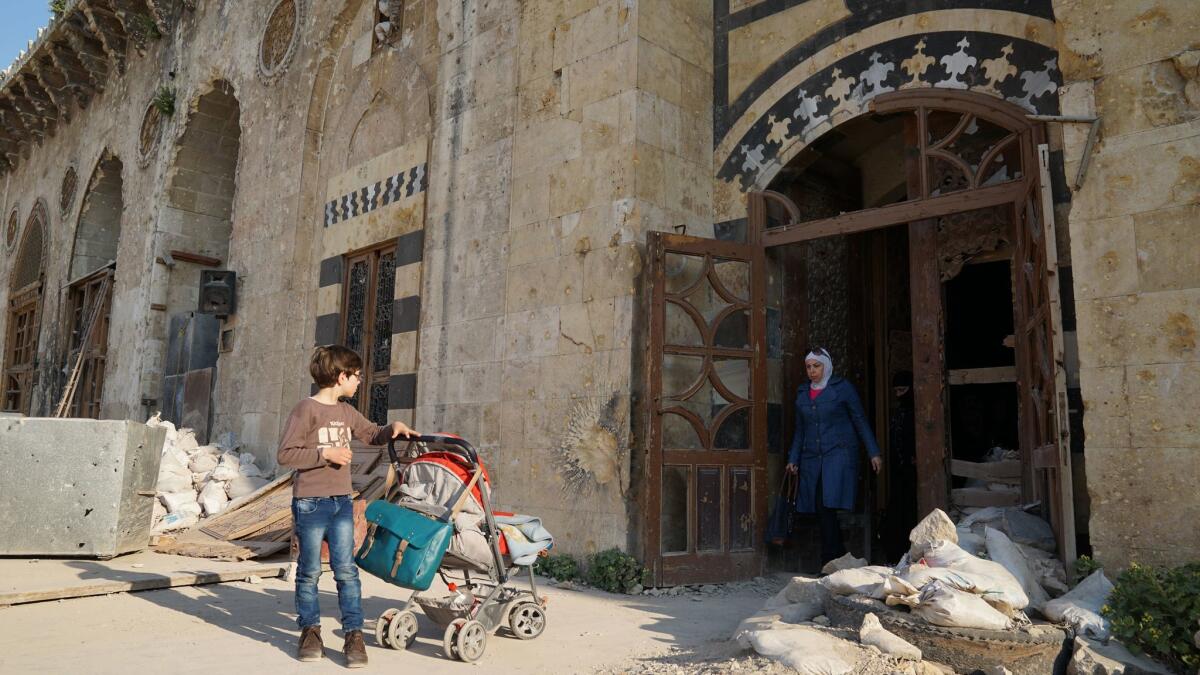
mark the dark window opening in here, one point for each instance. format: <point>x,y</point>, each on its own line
<point>369,286</point>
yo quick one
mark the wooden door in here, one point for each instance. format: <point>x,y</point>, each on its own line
<point>1041,381</point>
<point>89,302</point>
<point>370,287</point>
<point>705,503</point>
<point>21,349</point>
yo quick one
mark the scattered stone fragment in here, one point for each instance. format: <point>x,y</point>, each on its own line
<point>1093,658</point>
<point>874,634</point>
<point>846,562</point>
<point>934,527</point>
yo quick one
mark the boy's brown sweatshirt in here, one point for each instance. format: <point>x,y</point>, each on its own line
<point>313,426</point>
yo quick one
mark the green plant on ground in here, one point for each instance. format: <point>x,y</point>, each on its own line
<point>616,572</point>
<point>1085,566</point>
<point>559,567</point>
<point>1155,611</point>
<point>164,100</point>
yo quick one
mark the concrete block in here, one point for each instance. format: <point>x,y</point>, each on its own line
<point>86,486</point>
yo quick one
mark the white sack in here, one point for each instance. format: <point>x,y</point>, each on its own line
<point>1080,608</point>
<point>874,634</point>
<point>227,467</point>
<point>991,578</point>
<point>1030,530</point>
<point>176,501</point>
<point>1047,569</point>
<point>173,482</point>
<point>175,521</point>
<point>202,462</point>
<point>859,581</point>
<point>1003,551</point>
<point>249,469</point>
<point>934,527</point>
<point>185,439</point>
<point>800,590</point>
<point>228,441</point>
<point>943,605</point>
<point>970,542</point>
<point>213,498</point>
<point>243,485</point>
<point>807,651</point>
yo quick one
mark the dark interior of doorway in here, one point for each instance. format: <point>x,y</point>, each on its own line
<point>851,295</point>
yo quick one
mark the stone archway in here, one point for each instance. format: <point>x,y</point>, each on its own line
<point>89,295</point>
<point>195,230</point>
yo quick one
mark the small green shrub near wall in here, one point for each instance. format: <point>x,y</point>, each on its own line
<point>616,572</point>
<point>558,566</point>
<point>1156,611</point>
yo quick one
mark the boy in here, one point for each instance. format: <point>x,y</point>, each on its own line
<point>316,443</point>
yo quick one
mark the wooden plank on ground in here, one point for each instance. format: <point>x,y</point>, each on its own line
<point>1006,471</point>
<point>984,497</point>
<point>251,517</point>
<point>144,584</point>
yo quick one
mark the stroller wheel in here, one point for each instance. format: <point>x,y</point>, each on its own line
<point>471,641</point>
<point>381,627</point>
<point>527,620</point>
<point>402,630</point>
<point>449,639</point>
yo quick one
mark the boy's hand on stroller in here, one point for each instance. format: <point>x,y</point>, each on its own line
<point>401,429</point>
<point>792,468</point>
<point>339,456</point>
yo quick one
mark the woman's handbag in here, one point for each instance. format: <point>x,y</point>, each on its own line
<point>404,547</point>
<point>779,524</point>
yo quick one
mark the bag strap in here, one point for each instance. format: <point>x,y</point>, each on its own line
<point>462,499</point>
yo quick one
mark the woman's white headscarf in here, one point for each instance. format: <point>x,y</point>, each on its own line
<point>822,356</point>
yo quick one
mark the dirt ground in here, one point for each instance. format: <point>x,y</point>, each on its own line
<point>240,625</point>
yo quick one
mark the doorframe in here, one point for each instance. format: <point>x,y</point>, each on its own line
<point>919,213</point>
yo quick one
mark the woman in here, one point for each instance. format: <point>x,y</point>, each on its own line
<point>829,426</point>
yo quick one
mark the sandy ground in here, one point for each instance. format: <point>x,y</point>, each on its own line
<point>241,626</point>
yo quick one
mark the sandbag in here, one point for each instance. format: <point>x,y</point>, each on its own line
<point>858,581</point>
<point>185,439</point>
<point>995,582</point>
<point>1001,550</point>
<point>943,605</point>
<point>175,501</point>
<point>800,590</point>
<point>807,651</point>
<point>1030,530</point>
<point>174,482</point>
<point>243,485</point>
<point>213,498</point>
<point>202,462</point>
<point>227,467</point>
<point>1080,608</point>
<point>970,542</point>
<point>249,469</point>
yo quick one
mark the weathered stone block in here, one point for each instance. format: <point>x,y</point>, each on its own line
<point>1155,417</point>
<point>1167,255</point>
<point>603,74</point>
<point>594,31</point>
<point>1106,406</point>
<point>1105,253</point>
<point>532,333</point>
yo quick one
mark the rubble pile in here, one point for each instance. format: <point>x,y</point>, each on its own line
<point>197,481</point>
<point>978,580</point>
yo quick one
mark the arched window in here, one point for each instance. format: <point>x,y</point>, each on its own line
<point>24,305</point>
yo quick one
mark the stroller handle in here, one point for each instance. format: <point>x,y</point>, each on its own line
<point>458,443</point>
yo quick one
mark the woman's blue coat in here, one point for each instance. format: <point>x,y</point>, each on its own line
<point>828,431</point>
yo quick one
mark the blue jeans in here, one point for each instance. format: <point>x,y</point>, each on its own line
<point>330,519</point>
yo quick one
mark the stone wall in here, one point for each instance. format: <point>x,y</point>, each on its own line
<point>1137,287</point>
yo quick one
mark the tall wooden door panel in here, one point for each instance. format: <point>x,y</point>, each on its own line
<point>705,498</point>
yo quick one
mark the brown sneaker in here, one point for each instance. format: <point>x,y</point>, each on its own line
<point>311,647</point>
<point>355,649</point>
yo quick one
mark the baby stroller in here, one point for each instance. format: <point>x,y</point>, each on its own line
<point>445,476</point>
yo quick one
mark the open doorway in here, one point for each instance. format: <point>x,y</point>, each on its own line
<point>894,239</point>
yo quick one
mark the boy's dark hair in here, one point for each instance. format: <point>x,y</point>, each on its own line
<point>330,361</point>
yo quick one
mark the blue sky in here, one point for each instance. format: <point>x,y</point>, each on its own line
<point>19,21</point>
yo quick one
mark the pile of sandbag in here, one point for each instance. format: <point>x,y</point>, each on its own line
<point>196,481</point>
